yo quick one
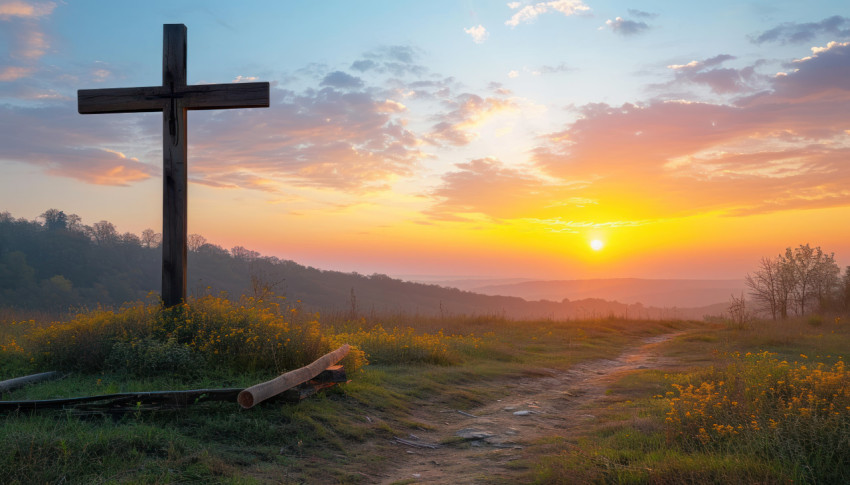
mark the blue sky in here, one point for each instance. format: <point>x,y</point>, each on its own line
<point>453,138</point>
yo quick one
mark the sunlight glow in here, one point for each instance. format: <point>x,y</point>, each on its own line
<point>596,245</point>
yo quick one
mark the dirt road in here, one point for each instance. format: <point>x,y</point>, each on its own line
<point>479,446</point>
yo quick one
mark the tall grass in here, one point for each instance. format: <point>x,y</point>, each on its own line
<point>762,402</point>
<point>208,333</point>
<point>145,338</point>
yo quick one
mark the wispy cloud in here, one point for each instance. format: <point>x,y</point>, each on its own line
<point>336,137</point>
<point>488,187</point>
<point>781,149</point>
<point>478,33</point>
<point>784,148</point>
<point>526,13</point>
<point>796,33</point>
<point>542,70</point>
<point>340,134</point>
<point>558,224</point>
<point>341,80</point>
<point>626,27</point>
<point>467,112</point>
<point>28,10</point>
<point>641,14</point>
<point>719,79</point>
<point>25,40</point>
<point>63,143</point>
<point>12,73</point>
<point>562,67</point>
<point>398,60</point>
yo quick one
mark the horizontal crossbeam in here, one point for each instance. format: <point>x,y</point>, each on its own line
<point>156,98</point>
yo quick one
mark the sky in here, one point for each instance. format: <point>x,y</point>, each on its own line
<point>452,139</point>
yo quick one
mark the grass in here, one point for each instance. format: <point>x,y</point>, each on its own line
<point>340,436</point>
<point>648,426</point>
<point>767,402</point>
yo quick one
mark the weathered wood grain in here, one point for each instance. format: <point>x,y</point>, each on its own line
<point>127,400</point>
<point>260,392</point>
<point>19,382</point>
<point>174,98</point>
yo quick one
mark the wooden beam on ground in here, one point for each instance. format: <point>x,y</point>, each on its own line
<point>127,401</point>
<point>259,393</point>
<point>18,382</point>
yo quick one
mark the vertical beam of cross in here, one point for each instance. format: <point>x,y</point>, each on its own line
<point>174,98</point>
<point>175,200</point>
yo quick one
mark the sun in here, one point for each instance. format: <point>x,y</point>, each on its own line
<point>596,245</point>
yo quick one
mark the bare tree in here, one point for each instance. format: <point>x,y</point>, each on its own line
<point>845,289</point>
<point>738,311</point>
<point>826,281</point>
<point>104,232</point>
<point>764,286</point>
<point>794,281</point>
<point>130,238</point>
<point>75,223</point>
<point>787,281</point>
<point>150,238</point>
<point>263,283</point>
<point>240,252</point>
<point>195,241</point>
<point>805,261</point>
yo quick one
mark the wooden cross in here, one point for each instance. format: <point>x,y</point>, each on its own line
<point>173,98</point>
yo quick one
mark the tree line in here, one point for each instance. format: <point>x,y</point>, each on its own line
<point>798,282</point>
<point>57,263</point>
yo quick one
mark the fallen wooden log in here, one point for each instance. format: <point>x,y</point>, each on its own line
<point>260,392</point>
<point>127,400</point>
<point>18,382</point>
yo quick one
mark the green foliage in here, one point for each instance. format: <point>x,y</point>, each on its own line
<point>148,357</point>
<point>51,450</point>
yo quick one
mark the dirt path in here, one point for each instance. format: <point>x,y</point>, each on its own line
<point>549,403</point>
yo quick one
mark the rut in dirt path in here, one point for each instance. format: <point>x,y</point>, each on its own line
<point>479,446</point>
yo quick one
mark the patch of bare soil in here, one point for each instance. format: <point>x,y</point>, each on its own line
<point>479,446</point>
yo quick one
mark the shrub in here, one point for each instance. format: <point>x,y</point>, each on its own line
<point>84,343</point>
<point>797,413</point>
<point>148,357</point>
<point>242,336</point>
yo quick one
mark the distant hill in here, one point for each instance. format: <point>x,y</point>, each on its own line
<point>61,264</point>
<point>650,292</point>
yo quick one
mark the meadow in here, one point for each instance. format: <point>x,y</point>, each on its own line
<point>764,402</point>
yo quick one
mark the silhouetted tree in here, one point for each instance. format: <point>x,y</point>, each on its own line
<point>765,289</point>
<point>75,223</point>
<point>130,238</point>
<point>104,233</point>
<point>55,220</point>
<point>794,281</point>
<point>151,239</point>
<point>195,241</point>
<point>239,252</point>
